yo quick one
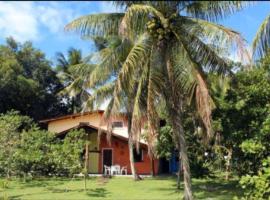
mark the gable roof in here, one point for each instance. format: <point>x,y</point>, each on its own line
<point>70,116</point>
<point>120,133</point>
<point>117,135</point>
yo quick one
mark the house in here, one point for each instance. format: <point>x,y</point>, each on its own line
<point>104,153</point>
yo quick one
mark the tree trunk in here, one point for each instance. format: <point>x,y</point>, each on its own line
<point>228,164</point>
<point>152,166</point>
<point>179,174</point>
<point>174,102</point>
<point>178,130</point>
<point>130,147</point>
<point>86,162</point>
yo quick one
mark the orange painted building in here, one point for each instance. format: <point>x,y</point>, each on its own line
<point>114,153</point>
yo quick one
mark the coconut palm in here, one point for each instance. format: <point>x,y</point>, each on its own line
<point>170,56</point>
<point>67,69</point>
<point>112,52</point>
<point>261,42</point>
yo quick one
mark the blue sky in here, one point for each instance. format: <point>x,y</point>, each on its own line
<point>43,22</point>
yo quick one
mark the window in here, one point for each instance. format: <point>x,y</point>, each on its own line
<point>138,156</point>
<point>117,124</point>
<point>84,124</point>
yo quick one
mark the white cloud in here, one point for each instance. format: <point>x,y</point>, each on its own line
<point>16,20</point>
<point>28,20</point>
<point>38,21</point>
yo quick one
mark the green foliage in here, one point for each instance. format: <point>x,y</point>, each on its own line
<point>69,75</point>
<point>34,152</point>
<point>11,125</point>
<point>28,82</point>
<point>257,187</point>
<point>68,155</point>
<point>165,143</point>
<point>252,147</point>
<point>242,118</point>
<point>26,149</point>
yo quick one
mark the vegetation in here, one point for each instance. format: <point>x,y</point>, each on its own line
<point>118,188</point>
<point>166,59</point>
<point>26,150</point>
<point>28,82</point>
<point>67,72</point>
<point>156,60</point>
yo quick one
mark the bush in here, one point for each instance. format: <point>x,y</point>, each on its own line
<point>11,126</point>
<point>26,149</point>
<point>257,187</point>
<point>68,153</point>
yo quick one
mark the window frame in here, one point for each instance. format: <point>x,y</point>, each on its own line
<point>122,124</point>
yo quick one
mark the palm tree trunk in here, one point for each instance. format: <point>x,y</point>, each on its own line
<point>179,174</point>
<point>174,102</point>
<point>178,130</point>
<point>130,147</point>
<point>152,165</point>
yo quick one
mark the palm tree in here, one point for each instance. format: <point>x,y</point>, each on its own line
<point>170,56</point>
<point>261,42</point>
<point>102,82</point>
<point>67,69</point>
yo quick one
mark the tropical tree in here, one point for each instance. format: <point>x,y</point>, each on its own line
<point>67,72</point>
<point>171,52</point>
<point>261,42</point>
<point>11,125</point>
<point>102,82</point>
<point>27,82</point>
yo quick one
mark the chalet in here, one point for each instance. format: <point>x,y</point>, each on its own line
<point>103,153</point>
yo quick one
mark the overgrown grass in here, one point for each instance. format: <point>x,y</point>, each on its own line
<point>119,188</point>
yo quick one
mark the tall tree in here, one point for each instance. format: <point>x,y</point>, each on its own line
<point>171,53</point>
<point>102,82</point>
<point>68,74</point>
<point>27,82</point>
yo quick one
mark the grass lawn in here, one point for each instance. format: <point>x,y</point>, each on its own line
<point>117,188</point>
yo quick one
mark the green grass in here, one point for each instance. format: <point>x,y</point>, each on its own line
<point>119,188</point>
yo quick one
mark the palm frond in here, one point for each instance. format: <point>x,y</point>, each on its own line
<point>136,59</point>
<point>213,33</point>
<point>109,63</point>
<point>97,24</point>
<point>214,10</point>
<point>62,63</point>
<point>138,113</point>
<point>202,53</point>
<point>197,88</point>
<point>261,42</point>
<point>99,95</point>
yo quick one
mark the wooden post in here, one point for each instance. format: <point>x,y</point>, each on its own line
<point>152,165</point>
<point>86,161</point>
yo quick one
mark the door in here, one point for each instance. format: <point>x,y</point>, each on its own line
<point>93,153</point>
<point>93,162</point>
<point>164,166</point>
<point>107,157</point>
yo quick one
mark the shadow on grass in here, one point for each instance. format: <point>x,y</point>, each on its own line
<point>98,192</point>
<point>219,189</point>
<point>205,188</point>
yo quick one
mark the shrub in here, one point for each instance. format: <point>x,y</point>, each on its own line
<point>257,187</point>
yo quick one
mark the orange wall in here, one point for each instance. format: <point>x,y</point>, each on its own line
<point>121,156</point>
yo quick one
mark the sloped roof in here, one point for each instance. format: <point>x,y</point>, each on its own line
<point>70,116</point>
<point>120,133</point>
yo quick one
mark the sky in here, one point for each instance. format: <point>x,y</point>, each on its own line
<point>43,22</point>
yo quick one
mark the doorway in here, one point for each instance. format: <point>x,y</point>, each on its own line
<point>164,166</point>
<point>107,157</point>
